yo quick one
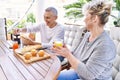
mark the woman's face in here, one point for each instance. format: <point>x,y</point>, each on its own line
<point>88,21</point>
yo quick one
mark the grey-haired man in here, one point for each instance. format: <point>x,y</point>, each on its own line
<point>49,31</point>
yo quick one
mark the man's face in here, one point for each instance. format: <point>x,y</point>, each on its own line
<point>49,18</point>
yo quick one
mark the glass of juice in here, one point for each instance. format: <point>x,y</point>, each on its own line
<point>58,43</point>
<point>15,45</point>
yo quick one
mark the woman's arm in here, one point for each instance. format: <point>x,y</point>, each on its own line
<point>65,52</point>
<point>100,60</point>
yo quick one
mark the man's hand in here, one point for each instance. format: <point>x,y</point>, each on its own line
<point>16,31</point>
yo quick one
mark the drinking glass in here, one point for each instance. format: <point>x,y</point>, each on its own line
<point>58,43</point>
<point>15,45</point>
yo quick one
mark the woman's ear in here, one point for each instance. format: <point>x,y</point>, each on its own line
<point>95,18</point>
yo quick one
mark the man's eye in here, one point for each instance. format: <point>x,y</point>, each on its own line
<point>47,17</point>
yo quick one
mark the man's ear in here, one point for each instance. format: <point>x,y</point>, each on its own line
<point>55,17</point>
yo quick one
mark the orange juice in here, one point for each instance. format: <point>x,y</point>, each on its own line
<point>15,46</point>
<point>58,44</point>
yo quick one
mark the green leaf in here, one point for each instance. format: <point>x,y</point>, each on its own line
<point>31,18</point>
<point>117,4</point>
<point>74,10</point>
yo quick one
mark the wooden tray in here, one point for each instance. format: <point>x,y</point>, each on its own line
<point>30,47</point>
<point>33,58</point>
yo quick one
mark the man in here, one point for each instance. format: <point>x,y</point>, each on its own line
<point>50,30</point>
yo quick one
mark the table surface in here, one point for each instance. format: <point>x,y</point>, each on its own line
<point>13,68</point>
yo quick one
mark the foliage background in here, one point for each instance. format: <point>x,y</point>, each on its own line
<point>74,11</point>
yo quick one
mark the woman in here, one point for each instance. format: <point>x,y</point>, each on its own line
<point>93,59</point>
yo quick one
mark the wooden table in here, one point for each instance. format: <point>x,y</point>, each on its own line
<point>13,68</point>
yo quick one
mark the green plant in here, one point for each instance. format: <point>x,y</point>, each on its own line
<point>117,4</point>
<point>31,18</point>
<point>21,24</point>
<point>116,22</point>
<point>9,22</point>
<point>74,10</point>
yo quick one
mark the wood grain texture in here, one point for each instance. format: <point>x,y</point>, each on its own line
<point>13,68</point>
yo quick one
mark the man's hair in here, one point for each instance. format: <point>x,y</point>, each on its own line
<point>52,9</point>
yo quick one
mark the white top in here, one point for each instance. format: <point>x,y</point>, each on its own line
<point>48,35</point>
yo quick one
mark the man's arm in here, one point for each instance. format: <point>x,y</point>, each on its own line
<point>17,31</point>
<point>23,30</point>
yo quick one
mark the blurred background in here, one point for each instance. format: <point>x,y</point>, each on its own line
<point>21,13</point>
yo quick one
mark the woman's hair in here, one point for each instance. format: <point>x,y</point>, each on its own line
<point>99,7</point>
<point>52,9</point>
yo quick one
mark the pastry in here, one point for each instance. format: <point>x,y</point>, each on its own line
<point>41,53</point>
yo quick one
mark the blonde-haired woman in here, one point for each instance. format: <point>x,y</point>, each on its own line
<point>93,59</point>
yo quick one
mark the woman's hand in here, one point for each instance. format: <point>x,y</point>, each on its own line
<point>63,51</point>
